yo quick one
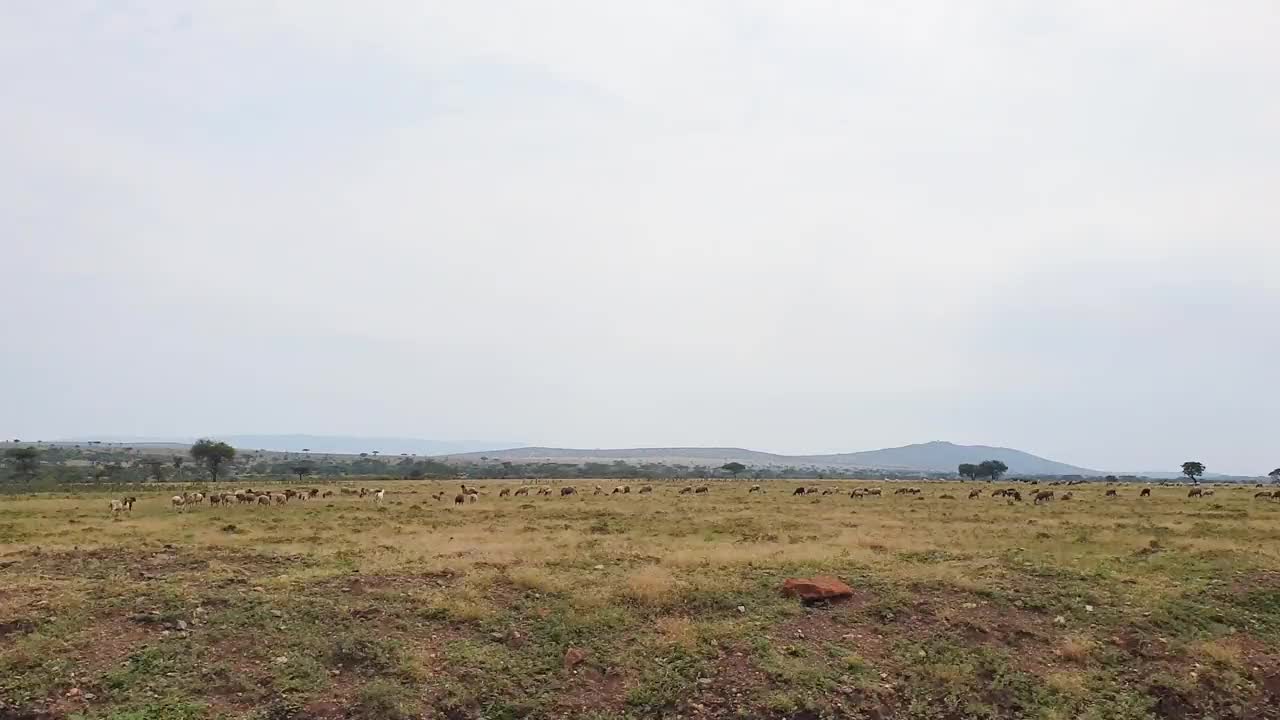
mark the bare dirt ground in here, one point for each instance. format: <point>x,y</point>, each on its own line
<point>661,605</point>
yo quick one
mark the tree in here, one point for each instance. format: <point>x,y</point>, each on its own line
<point>25,461</point>
<point>212,454</point>
<point>968,470</point>
<point>301,470</point>
<point>1193,470</point>
<point>992,469</point>
<point>1275,476</point>
<point>156,468</point>
<point>733,467</point>
<point>178,460</point>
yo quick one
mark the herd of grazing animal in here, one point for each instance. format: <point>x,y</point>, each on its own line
<point>472,494</point>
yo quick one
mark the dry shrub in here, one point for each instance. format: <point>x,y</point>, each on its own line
<point>1075,649</point>
<point>1220,652</point>
<point>1072,684</point>
<point>535,578</point>
<point>651,585</point>
<point>677,632</point>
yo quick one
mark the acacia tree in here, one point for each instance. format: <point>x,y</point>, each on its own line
<point>25,461</point>
<point>301,470</point>
<point>733,467</point>
<point>1193,470</point>
<point>968,470</point>
<point>156,468</point>
<point>992,469</point>
<point>1275,476</point>
<point>212,454</point>
<point>178,460</point>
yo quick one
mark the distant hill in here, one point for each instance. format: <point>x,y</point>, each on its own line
<point>932,457</point>
<point>326,444</point>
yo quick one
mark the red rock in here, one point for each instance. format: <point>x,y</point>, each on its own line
<point>573,657</point>
<point>822,587</point>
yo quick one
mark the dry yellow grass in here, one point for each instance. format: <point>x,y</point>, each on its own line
<point>1075,649</point>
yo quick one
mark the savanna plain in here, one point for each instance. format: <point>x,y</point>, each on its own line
<point>642,605</point>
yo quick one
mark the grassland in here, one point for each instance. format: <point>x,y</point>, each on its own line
<point>642,606</point>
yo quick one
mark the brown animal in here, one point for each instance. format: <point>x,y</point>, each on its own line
<point>753,489</point>
<point>686,491</point>
<point>1014,494</point>
<point>1042,496</point>
<point>521,491</point>
<point>1112,493</point>
<point>326,493</point>
<point>702,490</point>
<point>459,499</point>
<point>799,491</point>
<point>999,493</point>
<point>566,491</point>
<point>646,489</point>
<point>873,491</point>
<point>1195,492</point>
<point>857,493</point>
<point>263,499</point>
<point>215,499</point>
<point>504,492</point>
<point>975,493</point>
<point>1066,496</point>
<point>1263,494</point>
<point>1146,492</point>
<point>828,491</point>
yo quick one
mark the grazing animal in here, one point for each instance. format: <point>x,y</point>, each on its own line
<point>1014,494</point>
<point>291,493</point>
<point>1043,496</point>
<point>128,503</point>
<point>646,489</point>
<point>263,499</point>
<point>1146,492</point>
<point>280,498</point>
<point>117,507</point>
<point>975,493</point>
<point>474,496</point>
<point>438,496</point>
<point>686,491</point>
<point>857,493</point>
<point>521,491</point>
<point>873,491</point>
<point>364,492</point>
<point>753,489</point>
<point>1275,495</point>
<point>1263,494</point>
<point>1112,493</point>
<point>597,490</point>
<point>702,490</point>
<point>177,501</point>
<point>379,495</point>
<point>326,493</point>
<point>504,492</point>
<point>313,492</point>
<point>998,493</point>
<point>1207,493</point>
<point>347,491</point>
<point>799,491</point>
<point>1066,496</point>
<point>1195,492</point>
<point>215,499</point>
<point>566,491</point>
<point>812,491</point>
<point>459,499</point>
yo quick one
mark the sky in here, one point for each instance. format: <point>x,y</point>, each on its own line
<point>809,226</point>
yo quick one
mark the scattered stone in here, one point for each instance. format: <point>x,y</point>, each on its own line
<point>969,605</point>
<point>706,682</point>
<point>182,624</point>
<point>599,567</point>
<point>816,589</point>
<point>573,657</point>
<point>280,660</point>
<point>1088,608</point>
<point>1060,620</point>
<point>742,608</point>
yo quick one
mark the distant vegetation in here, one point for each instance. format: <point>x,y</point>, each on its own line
<point>42,465</point>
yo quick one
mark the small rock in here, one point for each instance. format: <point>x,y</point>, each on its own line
<point>280,660</point>
<point>1088,608</point>
<point>182,624</point>
<point>89,696</point>
<point>276,613</point>
<point>599,567</point>
<point>73,692</point>
<point>259,588</point>
<point>742,608</point>
<point>706,682</point>
<point>969,605</point>
<point>823,587</point>
<point>573,657</point>
<point>1060,620</point>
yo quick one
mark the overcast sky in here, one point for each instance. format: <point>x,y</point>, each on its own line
<point>793,226</point>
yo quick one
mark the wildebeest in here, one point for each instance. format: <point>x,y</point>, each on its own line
<point>1195,492</point>
<point>313,492</point>
<point>753,489</point>
<point>828,491</point>
<point>1207,493</point>
<point>117,507</point>
<point>621,490</point>
<point>215,499</point>
<point>686,490</point>
<point>1042,496</point>
<point>566,491</point>
<point>1146,492</point>
<point>975,493</point>
<point>521,491</point>
<point>326,493</point>
<point>857,493</point>
<point>262,499</point>
<point>1256,496</point>
<point>459,499</point>
<point>504,492</point>
<point>1013,494</point>
<point>646,489</point>
<point>1111,492</point>
<point>1066,496</point>
<point>799,491</point>
<point>702,490</point>
<point>872,491</point>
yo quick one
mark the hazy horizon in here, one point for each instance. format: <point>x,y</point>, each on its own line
<point>800,228</point>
